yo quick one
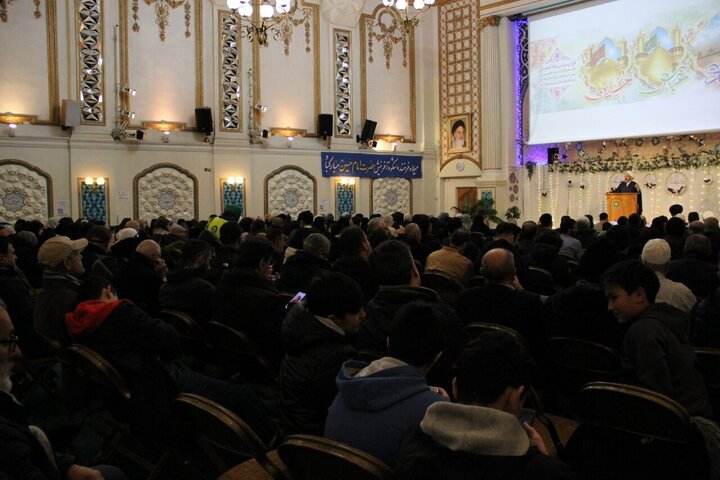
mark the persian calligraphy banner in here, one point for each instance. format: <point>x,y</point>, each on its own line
<point>370,165</point>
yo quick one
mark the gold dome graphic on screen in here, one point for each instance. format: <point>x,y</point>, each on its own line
<point>605,63</point>
<point>658,54</point>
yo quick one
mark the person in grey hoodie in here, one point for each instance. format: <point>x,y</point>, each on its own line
<point>378,402</point>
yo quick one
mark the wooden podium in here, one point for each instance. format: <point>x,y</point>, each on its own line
<point>621,204</point>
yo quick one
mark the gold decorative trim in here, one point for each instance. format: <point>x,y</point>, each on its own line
<point>52,63</point>
<point>372,194</point>
<point>162,12</point>
<point>99,47</point>
<point>282,169</point>
<point>42,173</point>
<point>4,5</point>
<point>9,117</point>
<point>411,74</point>
<point>164,126</point>
<point>386,137</point>
<point>490,21</point>
<point>199,80</point>
<point>106,191</point>
<point>288,131</point>
<point>157,166</point>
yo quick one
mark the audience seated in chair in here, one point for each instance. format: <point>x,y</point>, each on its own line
<point>706,322</point>
<point>656,256</point>
<point>142,276</point>
<point>481,436</point>
<point>297,272</point>
<point>399,282</point>
<point>247,300</point>
<point>544,254</point>
<point>378,402</point>
<point>353,261</point>
<point>656,351</point>
<point>225,256</point>
<point>315,338</point>
<point>62,259</point>
<point>504,301</point>
<point>26,450</point>
<point>450,259</point>
<point>141,348</point>
<point>186,290</point>
<point>97,259</point>
<point>694,269</point>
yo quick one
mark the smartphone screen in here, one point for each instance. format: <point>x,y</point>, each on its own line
<point>299,296</point>
<point>527,415</point>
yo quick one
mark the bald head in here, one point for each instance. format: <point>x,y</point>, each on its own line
<point>412,231</point>
<point>149,249</point>
<point>498,266</point>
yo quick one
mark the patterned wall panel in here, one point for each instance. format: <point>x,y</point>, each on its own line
<point>391,195</point>
<point>230,78</point>
<point>460,73</point>
<point>290,190</point>
<point>93,200</point>
<point>90,61</point>
<point>345,198</point>
<point>25,191</point>
<point>166,190</point>
<point>343,97</point>
<point>233,195</point>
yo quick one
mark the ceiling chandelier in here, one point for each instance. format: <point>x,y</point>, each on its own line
<point>270,14</point>
<point>403,7</point>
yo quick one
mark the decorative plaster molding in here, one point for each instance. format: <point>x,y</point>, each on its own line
<point>25,191</point>
<point>391,195</point>
<point>165,189</point>
<point>490,21</point>
<point>290,190</point>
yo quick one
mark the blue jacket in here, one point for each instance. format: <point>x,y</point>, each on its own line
<point>372,413</point>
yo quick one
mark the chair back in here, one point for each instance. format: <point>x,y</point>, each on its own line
<point>477,281</point>
<point>183,323</point>
<point>314,458</point>
<point>709,366</point>
<point>222,435</point>
<point>475,329</point>
<point>596,361</point>
<point>444,285</point>
<point>540,281</point>
<point>236,351</point>
<point>634,410</point>
<point>97,369</point>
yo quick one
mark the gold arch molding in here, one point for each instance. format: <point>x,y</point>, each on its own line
<point>157,166</point>
<point>125,56</point>
<point>376,14</point>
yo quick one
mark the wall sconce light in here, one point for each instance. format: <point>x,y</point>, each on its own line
<point>165,128</point>
<point>234,182</point>
<point>12,120</point>
<point>289,134</point>
<point>346,181</point>
<point>94,183</point>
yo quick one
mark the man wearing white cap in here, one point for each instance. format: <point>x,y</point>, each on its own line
<point>656,256</point>
<point>62,260</point>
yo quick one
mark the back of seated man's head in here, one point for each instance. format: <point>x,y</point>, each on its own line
<point>590,218</point>
<point>603,217</point>
<point>95,287</point>
<point>675,209</point>
<point>675,226</point>
<point>392,264</point>
<point>306,217</point>
<point>696,227</point>
<point>622,221</point>
<point>550,237</point>
<point>546,220</point>
<point>318,245</point>
<point>597,259</point>
<point>529,230</point>
<point>338,297</point>
<point>698,244</point>
<point>508,231</point>
<point>712,224</point>
<point>197,254</point>
<point>252,252</point>
<point>416,334</point>
<point>459,238</point>
<point>656,254</point>
<point>374,224</point>
<point>583,224</point>
<point>422,221</point>
<point>412,231</point>
<point>149,249</point>
<point>353,241</point>
<point>693,216</point>
<point>230,233</point>
<point>498,266</point>
<point>630,288</point>
<point>495,370</point>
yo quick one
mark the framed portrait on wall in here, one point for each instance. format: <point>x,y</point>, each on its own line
<point>458,130</point>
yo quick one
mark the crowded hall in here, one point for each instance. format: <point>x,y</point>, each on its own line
<point>470,239</point>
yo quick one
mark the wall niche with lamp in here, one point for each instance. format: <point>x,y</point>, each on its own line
<point>232,193</point>
<point>93,198</point>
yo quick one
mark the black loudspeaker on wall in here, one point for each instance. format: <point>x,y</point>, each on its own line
<point>203,119</point>
<point>368,130</point>
<point>325,124</point>
<point>553,155</point>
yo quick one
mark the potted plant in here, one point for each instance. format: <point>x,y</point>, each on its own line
<point>512,213</point>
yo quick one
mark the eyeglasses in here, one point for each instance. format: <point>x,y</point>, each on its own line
<point>11,342</point>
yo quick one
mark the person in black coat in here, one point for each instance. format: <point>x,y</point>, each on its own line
<point>297,272</point>
<point>353,261</point>
<point>315,338</point>
<point>142,276</point>
<point>694,268</point>
<point>15,292</point>
<point>247,300</point>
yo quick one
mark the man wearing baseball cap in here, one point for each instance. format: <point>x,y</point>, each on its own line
<point>62,259</point>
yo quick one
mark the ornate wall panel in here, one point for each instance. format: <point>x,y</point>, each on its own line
<point>30,53</point>
<point>294,101</point>
<point>164,90</point>
<point>93,200</point>
<point>90,61</point>
<point>166,190</point>
<point>386,71</point>
<point>230,76</point>
<point>343,92</point>
<point>391,195</point>
<point>345,194</point>
<point>25,191</point>
<point>460,74</point>
<point>290,190</point>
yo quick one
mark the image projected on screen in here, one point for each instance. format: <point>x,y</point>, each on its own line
<point>625,68</point>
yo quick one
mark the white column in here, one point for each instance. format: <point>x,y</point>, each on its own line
<point>490,93</point>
